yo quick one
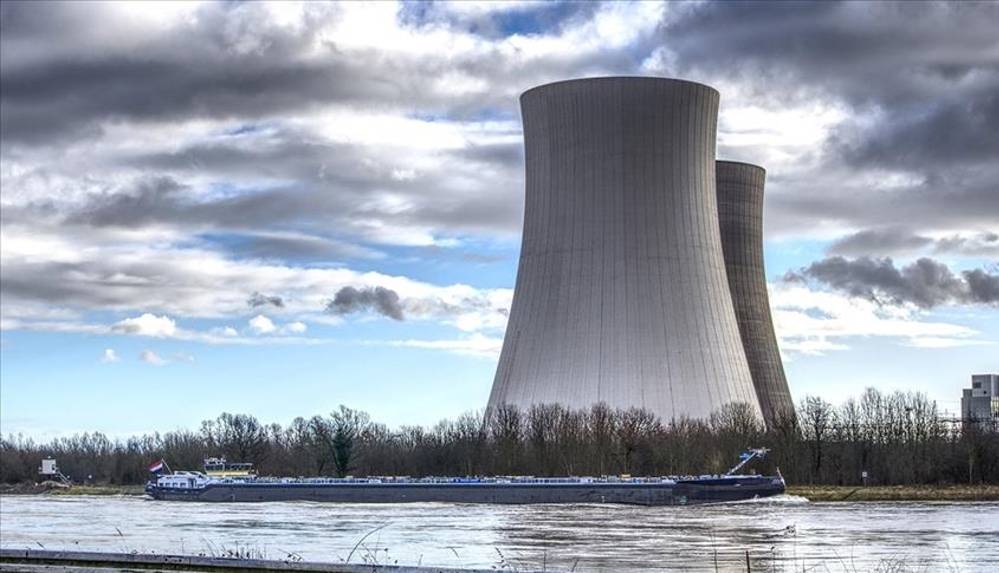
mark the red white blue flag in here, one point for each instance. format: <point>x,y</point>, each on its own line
<point>156,467</point>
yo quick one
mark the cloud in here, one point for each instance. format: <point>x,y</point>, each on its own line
<point>183,357</point>
<point>287,245</point>
<point>325,141</point>
<point>879,242</point>
<point>925,283</point>
<point>380,299</point>
<point>982,287</point>
<point>274,125</point>
<point>256,299</point>
<point>475,345</point>
<point>260,324</point>
<point>47,268</point>
<point>109,356</point>
<point>218,151</point>
<point>984,244</point>
<point>150,357</point>
<point>901,241</point>
<point>815,322</point>
<point>914,84</point>
<point>944,342</point>
<point>147,325</point>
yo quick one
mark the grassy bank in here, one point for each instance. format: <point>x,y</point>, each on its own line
<point>52,488</point>
<point>897,492</point>
<point>100,490</point>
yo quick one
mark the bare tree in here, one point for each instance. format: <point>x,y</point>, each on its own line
<point>239,437</point>
<point>817,417</point>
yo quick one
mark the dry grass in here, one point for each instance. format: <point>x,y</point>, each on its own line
<point>897,492</point>
<point>101,490</point>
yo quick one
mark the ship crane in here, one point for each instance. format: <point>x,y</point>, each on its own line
<point>746,457</point>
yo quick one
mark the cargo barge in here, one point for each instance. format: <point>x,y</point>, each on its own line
<point>666,490</point>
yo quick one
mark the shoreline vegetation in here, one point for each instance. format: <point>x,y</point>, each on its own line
<point>813,493</point>
<point>878,439</point>
<point>839,493</point>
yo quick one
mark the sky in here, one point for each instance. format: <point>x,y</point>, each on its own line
<point>277,208</point>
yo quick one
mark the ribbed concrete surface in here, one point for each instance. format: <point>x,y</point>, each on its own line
<point>621,294</point>
<point>740,214</point>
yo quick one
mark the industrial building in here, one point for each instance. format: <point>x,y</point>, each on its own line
<point>980,403</point>
<point>622,294</point>
<point>740,216</point>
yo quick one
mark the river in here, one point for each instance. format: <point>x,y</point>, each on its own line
<point>781,534</point>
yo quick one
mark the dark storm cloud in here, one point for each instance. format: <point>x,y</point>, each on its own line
<point>918,80</point>
<point>983,244</point>
<point>317,185</point>
<point>881,241</point>
<point>152,200</point>
<point>380,299</point>
<point>80,284</point>
<point>959,130</point>
<point>827,195</point>
<point>200,72</point>
<point>259,299</point>
<point>337,198</point>
<point>204,71</point>
<point>507,154</point>
<point>897,240</point>
<point>983,287</point>
<point>926,283</point>
<point>869,53</point>
<point>164,200</point>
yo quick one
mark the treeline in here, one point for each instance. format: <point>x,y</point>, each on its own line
<point>896,438</point>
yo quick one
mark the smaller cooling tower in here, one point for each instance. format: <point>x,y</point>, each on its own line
<point>740,215</point>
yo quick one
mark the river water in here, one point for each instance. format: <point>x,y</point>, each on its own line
<point>780,534</point>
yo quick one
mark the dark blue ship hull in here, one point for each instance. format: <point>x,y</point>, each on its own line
<point>680,492</point>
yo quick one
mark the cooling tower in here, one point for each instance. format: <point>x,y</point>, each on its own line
<point>740,214</point>
<point>621,294</point>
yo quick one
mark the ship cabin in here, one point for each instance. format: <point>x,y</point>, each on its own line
<point>182,480</point>
<point>220,468</point>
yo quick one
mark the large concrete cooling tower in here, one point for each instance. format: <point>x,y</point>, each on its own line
<point>740,214</point>
<point>621,294</point>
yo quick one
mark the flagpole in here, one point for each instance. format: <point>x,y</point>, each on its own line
<point>167,466</point>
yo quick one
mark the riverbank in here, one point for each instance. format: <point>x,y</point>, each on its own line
<point>896,492</point>
<point>56,488</point>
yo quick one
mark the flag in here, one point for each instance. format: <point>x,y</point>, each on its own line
<point>156,467</point>
<point>745,456</point>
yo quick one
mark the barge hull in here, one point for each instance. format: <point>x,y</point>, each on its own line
<point>680,493</point>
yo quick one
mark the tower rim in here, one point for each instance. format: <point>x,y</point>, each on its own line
<point>743,163</point>
<point>599,79</point>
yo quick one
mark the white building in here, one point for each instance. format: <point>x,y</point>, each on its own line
<point>980,403</point>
